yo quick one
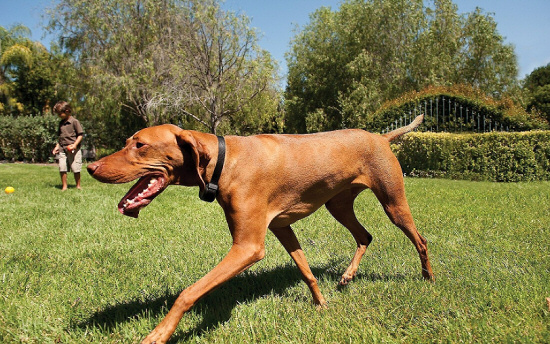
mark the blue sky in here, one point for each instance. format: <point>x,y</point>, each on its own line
<point>524,24</point>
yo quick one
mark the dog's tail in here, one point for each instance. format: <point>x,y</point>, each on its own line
<point>392,135</point>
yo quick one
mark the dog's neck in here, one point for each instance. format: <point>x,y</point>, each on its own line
<point>210,191</point>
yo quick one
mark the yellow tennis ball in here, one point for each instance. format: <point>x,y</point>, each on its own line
<point>9,190</point>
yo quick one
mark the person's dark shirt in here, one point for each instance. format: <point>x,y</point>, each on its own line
<point>68,131</point>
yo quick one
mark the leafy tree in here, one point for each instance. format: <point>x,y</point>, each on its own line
<point>316,73</point>
<point>15,53</point>
<point>115,44</point>
<point>13,49</point>
<point>34,82</point>
<point>537,85</point>
<point>165,61</point>
<point>31,77</point>
<point>344,64</point>
<point>484,60</point>
<point>224,67</point>
<point>538,78</point>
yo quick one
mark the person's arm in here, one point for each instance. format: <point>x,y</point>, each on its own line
<point>79,136</point>
<point>75,144</point>
<point>56,149</point>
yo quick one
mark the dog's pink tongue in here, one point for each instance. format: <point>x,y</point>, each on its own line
<point>140,195</point>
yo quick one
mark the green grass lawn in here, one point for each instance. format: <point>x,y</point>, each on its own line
<point>73,270</point>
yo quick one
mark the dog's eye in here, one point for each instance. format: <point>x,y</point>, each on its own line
<point>139,145</point>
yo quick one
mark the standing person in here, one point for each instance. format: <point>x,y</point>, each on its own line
<point>68,145</point>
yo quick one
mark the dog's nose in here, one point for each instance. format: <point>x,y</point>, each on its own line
<point>92,167</point>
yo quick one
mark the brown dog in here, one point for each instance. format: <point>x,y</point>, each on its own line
<point>267,181</point>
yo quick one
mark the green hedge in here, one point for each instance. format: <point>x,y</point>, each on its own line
<point>502,157</point>
<point>27,138</point>
<point>32,138</point>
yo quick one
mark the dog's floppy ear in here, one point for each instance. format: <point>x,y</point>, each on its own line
<point>188,143</point>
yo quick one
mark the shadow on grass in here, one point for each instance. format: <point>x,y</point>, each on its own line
<point>59,186</point>
<point>215,308</point>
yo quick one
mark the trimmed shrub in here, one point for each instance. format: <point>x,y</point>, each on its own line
<point>27,138</point>
<point>31,138</point>
<point>496,156</point>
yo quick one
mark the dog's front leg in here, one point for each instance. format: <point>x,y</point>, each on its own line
<point>239,258</point>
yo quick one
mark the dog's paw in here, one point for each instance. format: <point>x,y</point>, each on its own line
<point>147,341</point>
<point>322,306</point>
<point>153,338</point>
<point>428,276</point>
<point>345,280</point>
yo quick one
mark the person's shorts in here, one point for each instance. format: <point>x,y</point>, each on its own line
<point>72,160</point>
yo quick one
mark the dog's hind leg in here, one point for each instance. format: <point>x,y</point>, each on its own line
<point>289,241</point>
<point>341,207</point>
<point>393,200</point>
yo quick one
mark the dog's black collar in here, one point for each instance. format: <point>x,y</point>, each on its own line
<point>208,194</point>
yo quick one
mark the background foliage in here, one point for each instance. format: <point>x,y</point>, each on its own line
<point>537,85</point>
<point>32,138</point>
<point>497,156</point>
<point>28,73</point>
<point>166,61</point>
<point>501,157</point>
<point>503,110</point>
<point>344,64</point>
<point>27,138</point>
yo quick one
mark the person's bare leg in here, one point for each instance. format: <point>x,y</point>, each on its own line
<point>63,180</point>
<point>77,180</point>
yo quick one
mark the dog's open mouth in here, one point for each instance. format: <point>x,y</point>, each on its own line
<point>141,194</point>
